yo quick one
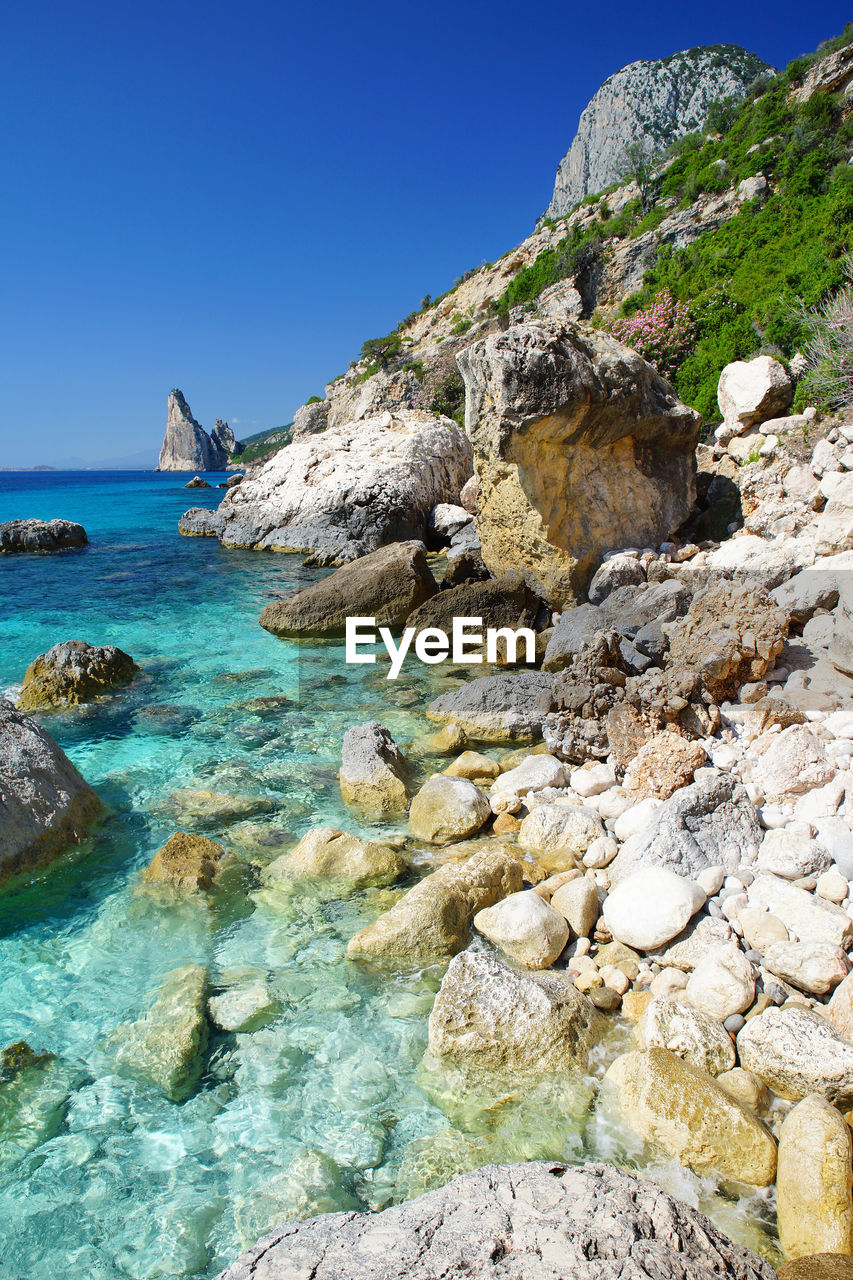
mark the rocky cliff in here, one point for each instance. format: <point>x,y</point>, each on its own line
<point>651,103</point>
<point>186,445</point>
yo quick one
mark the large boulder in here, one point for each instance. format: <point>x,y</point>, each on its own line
<point>580,448</point>
<point>499,602</point>
<point>448,809</point>
<point>328,853</point>
<point>751,391</point>
<point>385,585</point>
<point>164,1047</point>
<point>501,708</point>
<point>805,916</point>
<point>711,823</point>
<point>794,762</point>
<point>74,672</point>
<point>500,1223</point>
<point>45,805</point>
<point>373,769</point>
<point>692,1035</point>
<point>434,918</point>
<point>40,535</point>
<point>651,907</point>
<point>814,1180</point>
<point>833,532</point>
<point>491,1016</point>
<point>350,489</point>
<point>797,1052</point>
<point>730,635</point>
<point>684,1111</point>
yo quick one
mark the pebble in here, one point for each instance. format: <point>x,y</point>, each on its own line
<point>601,852</point>
<point>711,880</point>
<point>605,998</point>
<point>734,1023</point>
<point>832,886</point>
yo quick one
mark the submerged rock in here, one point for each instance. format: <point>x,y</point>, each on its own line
<point>385,585</point>
<point>326,852</point>
<point>73,672</point>
<point>434,918</point>
<point>164,1047</point>
<point>373,769</point>
<point>580,448</point>
<point>594,1222</point>
<point>186,861</point>
<point>34,1092</point>
<point>45,805</point>
<point>40,535</point>
<point>488,1015</point>
<point>684,1111</point>
<point>814,1182</point>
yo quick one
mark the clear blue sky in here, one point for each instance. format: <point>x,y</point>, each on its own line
<point>231,197</point>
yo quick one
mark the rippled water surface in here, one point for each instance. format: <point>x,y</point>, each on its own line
<point>331,1104</point>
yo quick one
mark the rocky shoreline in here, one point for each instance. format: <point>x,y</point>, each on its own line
<point>649,828</point>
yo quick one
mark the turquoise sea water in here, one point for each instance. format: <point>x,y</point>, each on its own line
<point>330,1105</point>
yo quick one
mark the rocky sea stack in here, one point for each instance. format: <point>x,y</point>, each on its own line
<point>186,445</point>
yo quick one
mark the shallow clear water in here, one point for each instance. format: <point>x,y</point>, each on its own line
<point>331,1104</point>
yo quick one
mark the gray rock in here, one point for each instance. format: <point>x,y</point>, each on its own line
<point>373,769</point>
<point>385,585</point>
<point>223,436</point>
<point>647,104</point>
<point>199,522</point>
<point>186,445</point>
<point>40,535</point>
<point>631,608</point>
<point>575,627</point>
<point>618,571</point>
<point>45,805</point>
<point>797,1052</point>
<point>500,708</point>
<point>537,1221</point>
<point>711,823</point>
<point>310,419</point>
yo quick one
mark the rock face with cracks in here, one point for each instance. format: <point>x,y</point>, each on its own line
<point>488,1015</point>
<point>537,1221</point>
<point>349,490</point>
<point>45,805</point>
<point>580,447</point>
<point>74,672</point>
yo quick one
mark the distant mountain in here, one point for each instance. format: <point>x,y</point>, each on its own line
<point>649,104</point>
<point>144,460</point>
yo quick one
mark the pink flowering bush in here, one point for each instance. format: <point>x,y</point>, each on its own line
<point>664,334</point>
